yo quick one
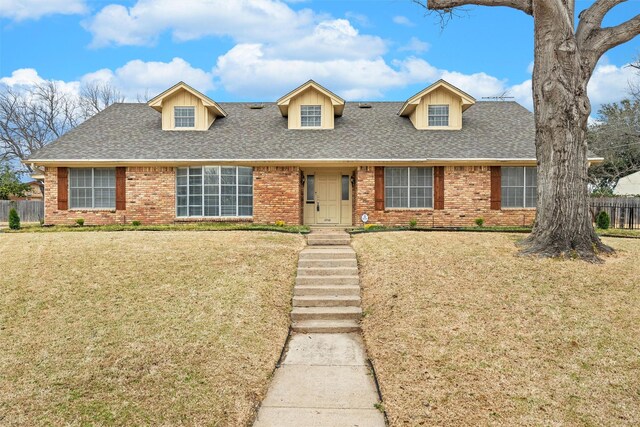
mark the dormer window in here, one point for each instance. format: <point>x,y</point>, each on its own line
<point>438,115</point>
<point>310,116</point>
<point>185,117</point>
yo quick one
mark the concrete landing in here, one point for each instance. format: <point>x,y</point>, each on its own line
<point>324,381</point>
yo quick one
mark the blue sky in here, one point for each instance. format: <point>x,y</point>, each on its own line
<point>236,50</point>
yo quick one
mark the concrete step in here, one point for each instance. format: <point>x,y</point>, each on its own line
<point>325,326</point>
<point>326,242</point>
<point>325,253</point>
<point>328,280</point>
<point>326,313</point>
<point>326,290</point>
<point>312,263</point>
<point>326,301</point>
<point>328,236</point>
<point>327,271</point>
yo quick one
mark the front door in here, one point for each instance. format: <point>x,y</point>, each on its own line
<point>327,199</point>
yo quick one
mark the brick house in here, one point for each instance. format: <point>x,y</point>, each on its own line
<point>440,158</point>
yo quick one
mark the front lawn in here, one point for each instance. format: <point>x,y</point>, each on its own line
<point>463,332</point>
<point>163,328</point>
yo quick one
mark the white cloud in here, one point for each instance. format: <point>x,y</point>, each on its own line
<point>530,67</point>
<point>247,71</point>
<point>403,20</point>
<point>29,77</point>
<point>133,79</point>
<point>243,20</point>
<point>415,45</point>
<point>20,10</point>
<point>610,83</point>
<point>139,78</point>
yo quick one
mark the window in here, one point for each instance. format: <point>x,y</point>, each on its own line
<point>185,117</point>
<point>345,187</point>
<point>310,116</point>
<point>311,188</point>
<point>408,187</point>
<point>214,191</point>
<point>92,188</point>
<point>438,115</point>
<point>519,186</point>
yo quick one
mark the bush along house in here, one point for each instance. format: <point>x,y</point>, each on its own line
<point>440,158</point>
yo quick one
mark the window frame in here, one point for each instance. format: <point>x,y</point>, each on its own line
<point>438,116</point>
<point>93,190</point>
<point>304,115</point>
<point>408,188</point>
<point>524,187</point>
<point>176,116</point>
<point>203,194</point>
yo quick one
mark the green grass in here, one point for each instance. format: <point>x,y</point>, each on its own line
<point>619,232</point>
<point>373,228</point>
<point>207,226</point>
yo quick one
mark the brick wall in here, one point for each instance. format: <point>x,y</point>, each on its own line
<point>150,196</point>
<point>467,191</point>
<point>277,194</point>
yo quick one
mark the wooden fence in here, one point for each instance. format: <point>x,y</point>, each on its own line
<point>28,210</point>
<point>624,212</point>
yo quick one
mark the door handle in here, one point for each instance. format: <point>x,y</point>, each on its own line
<point>318,206</point>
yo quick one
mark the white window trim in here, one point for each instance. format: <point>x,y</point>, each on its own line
<point>175,117</point>
<point>524,190</point>
<point>448,125</point>
<point>218,217</point>
<point>311,127</point>
<point>93,193</point>
<point>409,208</point>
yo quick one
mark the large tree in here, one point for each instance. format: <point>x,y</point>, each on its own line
<point>564,60</point>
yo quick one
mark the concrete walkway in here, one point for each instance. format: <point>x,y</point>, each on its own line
<point>325,379</point>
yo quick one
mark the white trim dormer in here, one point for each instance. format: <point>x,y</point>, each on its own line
<point>179,96</point>
<point>311,94</point>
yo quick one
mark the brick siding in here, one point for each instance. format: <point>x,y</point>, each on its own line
<point>277,194</point>
<point>467,191</point>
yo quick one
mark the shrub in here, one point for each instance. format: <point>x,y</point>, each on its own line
<point>14,219</point>
<point>136,223</point>
<point>280,223</point>
<point>602,220</point>
<point>479,222</point>
<point>413,223</point>
<point>80,222</point>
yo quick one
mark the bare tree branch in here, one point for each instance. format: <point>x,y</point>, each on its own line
<point>591,18</point>
<point>607,38</point>
<point>445,5</point>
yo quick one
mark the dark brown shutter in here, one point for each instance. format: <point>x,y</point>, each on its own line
<point>121,189</point>
<point>496,188</point>
<point>379,188</point>
<point>63,189</point>
<point>438,187</point>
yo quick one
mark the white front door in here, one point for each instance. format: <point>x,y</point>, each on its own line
<point>327,199</point>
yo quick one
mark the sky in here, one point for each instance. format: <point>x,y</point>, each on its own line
<point>258,50</point>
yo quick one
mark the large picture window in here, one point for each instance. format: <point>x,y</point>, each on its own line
<point>408,187</point>
<point>92,188</point>
<point>519,187</point>
<point>310,116</point>
<point>214,191</point>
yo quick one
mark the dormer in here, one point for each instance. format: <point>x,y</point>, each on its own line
<point>311,106</point>
<point>438,107</point>
<point>184,108</point>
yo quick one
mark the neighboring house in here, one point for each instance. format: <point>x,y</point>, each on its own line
<point>33,193</point>
<point>310,158</point>
<point>628,185</point>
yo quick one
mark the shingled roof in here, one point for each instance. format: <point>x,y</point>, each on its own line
<point>128,132</point>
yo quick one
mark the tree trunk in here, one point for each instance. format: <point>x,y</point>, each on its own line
<point>563,225</point>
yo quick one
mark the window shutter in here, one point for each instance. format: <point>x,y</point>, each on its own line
<point>496,188</point>
<point>121,189</point>
<point>63,189</point>
<point>438,187</point>
<point>379,188</point>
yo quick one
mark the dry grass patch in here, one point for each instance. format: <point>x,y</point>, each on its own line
<point>463,332</point>
<point>164,328</point>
